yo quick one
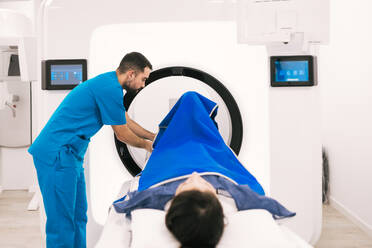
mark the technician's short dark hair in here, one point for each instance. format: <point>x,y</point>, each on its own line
<point>135,61</point>
<point>195,218</point>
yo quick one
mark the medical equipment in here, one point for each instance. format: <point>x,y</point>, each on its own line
<point>18,68</point>
<point>63,74</point>
<point>7,99</point>
<point>235,134</point>
<point>292,70</point>
<point>17,43</point>
<point>270,21</point>
<point>14,66</point>
<point>202,35</point>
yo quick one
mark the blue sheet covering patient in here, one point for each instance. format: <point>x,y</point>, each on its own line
<point>189,141</point>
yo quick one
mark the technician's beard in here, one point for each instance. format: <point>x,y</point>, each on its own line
<point>129,89</point>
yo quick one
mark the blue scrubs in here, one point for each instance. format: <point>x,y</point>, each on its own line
<point>59,150</point>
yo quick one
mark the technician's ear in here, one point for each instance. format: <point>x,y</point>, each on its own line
<point>132,73</point>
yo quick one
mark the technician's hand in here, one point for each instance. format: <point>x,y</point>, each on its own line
<point>152,137</point>
<point>148,146</point>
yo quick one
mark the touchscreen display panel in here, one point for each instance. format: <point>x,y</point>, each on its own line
<point>291,71</point>
<point>294,70</point>
<point>66,74</point>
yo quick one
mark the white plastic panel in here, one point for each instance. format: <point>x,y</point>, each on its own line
<point>106,174</point>
<point>14,24</point>
<point>25,47</point>
<point>296,156</point>
<point>5,54</point>
<point>16,32</point>
<point>266,21</point>
<point>17,171</point>
<point>15,124</point>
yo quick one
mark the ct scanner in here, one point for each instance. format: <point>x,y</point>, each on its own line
<point>201,46</point>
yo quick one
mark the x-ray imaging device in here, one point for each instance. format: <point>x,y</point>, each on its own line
<point>278,141</point>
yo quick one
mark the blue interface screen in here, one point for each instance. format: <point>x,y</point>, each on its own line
<point>291,71</point>
<point>66,74</point>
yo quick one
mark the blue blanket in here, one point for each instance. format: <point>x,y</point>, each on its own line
<point>188,141</point>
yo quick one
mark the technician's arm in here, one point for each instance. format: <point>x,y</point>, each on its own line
<point>125,134</point>
<point>138,130</point>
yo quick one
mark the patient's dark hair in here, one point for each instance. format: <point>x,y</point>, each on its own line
<point>195,218</point>
<point>135,61</point>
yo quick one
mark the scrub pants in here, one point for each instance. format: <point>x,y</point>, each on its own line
<point>62,186</point>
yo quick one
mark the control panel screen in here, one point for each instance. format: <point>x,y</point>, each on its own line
<point>63,74</point>
<point>292,71</point>
<point>66,74</point>
<point>286,71</point>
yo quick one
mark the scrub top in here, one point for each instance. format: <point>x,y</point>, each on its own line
<point>89,106</point>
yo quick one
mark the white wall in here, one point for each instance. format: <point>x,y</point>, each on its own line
<point>347,106</point>
<point>25,7</point>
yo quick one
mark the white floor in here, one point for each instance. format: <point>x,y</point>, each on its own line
<point>19,228</point>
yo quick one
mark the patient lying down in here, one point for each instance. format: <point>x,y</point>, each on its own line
<point>189,141</point>
<point>195,216</point>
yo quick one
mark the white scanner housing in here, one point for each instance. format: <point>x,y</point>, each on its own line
<point>281,137</point>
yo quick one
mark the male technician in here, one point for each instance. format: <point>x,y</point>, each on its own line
<point>59,150</point>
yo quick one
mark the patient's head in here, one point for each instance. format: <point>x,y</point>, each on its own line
<point>195,182</point>
<point>195,216</point>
